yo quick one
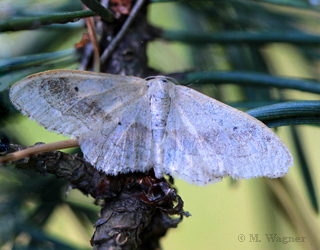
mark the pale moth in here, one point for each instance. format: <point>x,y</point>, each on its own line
<point>128,124</point>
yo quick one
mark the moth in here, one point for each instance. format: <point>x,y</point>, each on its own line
<point>128,124</point>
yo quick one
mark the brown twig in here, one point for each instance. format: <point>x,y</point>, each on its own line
<point>94,41</point>
<point>122,31</point>
<point>39,148</point>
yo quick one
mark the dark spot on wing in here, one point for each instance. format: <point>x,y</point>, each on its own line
<point>108,117</point>
<point>93,108</point>
<point>76,89</point>
<point>57,92</point>
<point>235,128</point>
<point>268,138</point>
<point>119,123</point>
<point>55,86</point>
<point>251,128</point>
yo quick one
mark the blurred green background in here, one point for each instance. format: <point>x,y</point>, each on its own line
<point>225,215</point>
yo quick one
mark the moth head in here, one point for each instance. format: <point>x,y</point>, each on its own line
<point>160,82</point>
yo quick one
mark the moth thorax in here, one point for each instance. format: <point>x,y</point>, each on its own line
<point>159,107</point>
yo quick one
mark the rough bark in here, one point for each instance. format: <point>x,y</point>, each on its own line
<point>136,207</point>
